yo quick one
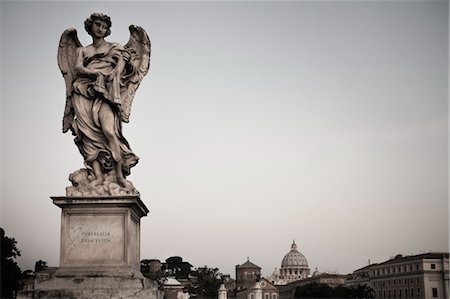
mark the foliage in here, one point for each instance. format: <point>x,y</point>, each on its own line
<point>10,271</point>
<point>208,281</point>
<point>40,265</point>
<point>313,290</point>
<point>317,290</point>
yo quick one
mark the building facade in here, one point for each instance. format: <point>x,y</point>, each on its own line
<point>250,285</point>
<point>417,276</point>
<point>246,274</point>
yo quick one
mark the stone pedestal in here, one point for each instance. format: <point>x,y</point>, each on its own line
<point>100,235</point>
<point>100,251</point>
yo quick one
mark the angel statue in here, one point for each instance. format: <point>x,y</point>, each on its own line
<point>101,80</point>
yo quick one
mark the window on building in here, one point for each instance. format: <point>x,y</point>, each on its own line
<point>433,266</point>
<point>274,296</point>
<point>266,296</point>
<point>395,293</point>
<point>399,281</point>
<point>406,280</point>
<point>417,266</point>
<point>249,275</point>
<point>410,267</point>
<point>252,296</point>
<point>389,282</point>
<point>393,281</point>
<point>411,293</point>
<point>418,280</point>
<point>404,268</point>
<point>411,280</point>
<point>389,293</point>
<point>400,293</point>
<point>406,293</point>
<point>384,293</point>
<point>418,292</point>
<point>435,292</point>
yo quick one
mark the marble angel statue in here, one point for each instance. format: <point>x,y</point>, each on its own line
<point>101,80</point>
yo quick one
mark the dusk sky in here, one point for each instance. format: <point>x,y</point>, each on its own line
<point>258,123</point>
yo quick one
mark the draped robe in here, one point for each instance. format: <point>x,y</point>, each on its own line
<point>89,95</point>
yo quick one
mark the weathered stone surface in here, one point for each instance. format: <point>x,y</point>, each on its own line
<point>100,235</point>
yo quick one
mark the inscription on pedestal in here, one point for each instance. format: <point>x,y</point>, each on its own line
<point>95,237</point>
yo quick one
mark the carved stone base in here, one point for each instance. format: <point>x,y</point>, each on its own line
<point>100,251</point>
<point>48,284</point>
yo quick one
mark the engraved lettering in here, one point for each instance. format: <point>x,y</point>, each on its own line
<point>95,237</point>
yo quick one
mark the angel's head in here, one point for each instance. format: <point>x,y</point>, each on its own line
<point>97,16</point>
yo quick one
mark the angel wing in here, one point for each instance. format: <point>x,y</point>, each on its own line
<point>68,45</point>
<point>139,47</point>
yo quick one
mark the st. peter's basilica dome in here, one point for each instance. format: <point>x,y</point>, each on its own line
<point>294,265</point>
<point>294,258</point>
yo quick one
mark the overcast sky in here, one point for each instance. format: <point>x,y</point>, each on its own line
<point>259,123</point>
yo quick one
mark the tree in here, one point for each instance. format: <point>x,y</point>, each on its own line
<point>363,291</point>
<point>10,271</point>
<point>40,265</point>
<point>208,281</point>
<point>314,290</point>
<point>320,290</point>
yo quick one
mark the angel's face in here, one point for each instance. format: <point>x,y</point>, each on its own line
<point>99,28</point>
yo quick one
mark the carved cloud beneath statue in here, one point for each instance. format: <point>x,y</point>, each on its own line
<point>101,80</point>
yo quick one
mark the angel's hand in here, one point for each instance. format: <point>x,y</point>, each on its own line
<point>126,55</point>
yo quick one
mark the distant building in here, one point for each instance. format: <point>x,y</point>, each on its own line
<point>261,289</point>
<point>247,274</point>
<point>276,279</point>
<point>173,289</point>
<point>250,285</point>
<point>294,266</point>
<point>415,276</point>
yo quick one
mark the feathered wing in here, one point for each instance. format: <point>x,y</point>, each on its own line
<point>140,49</point>
<point>68,45</point>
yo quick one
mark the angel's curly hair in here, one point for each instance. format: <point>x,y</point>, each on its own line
<point>97,16</point>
